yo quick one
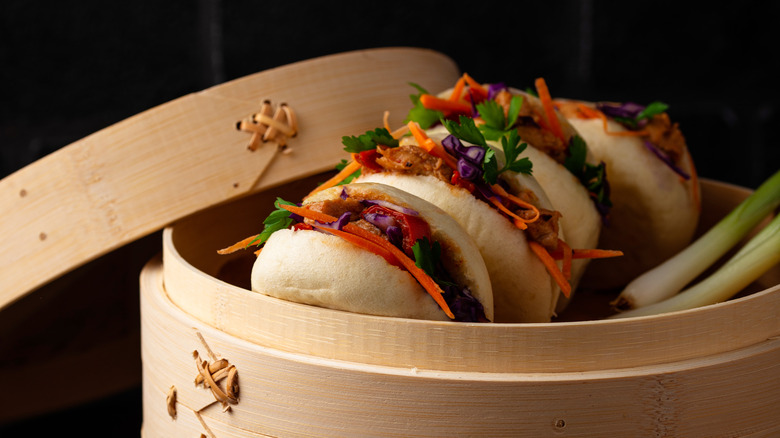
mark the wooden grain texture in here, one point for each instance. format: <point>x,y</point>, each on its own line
<point>192,268</point>
<point>734,393</point>
<point>135,177</point>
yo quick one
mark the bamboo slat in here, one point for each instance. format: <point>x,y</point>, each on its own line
<point>137,176</point>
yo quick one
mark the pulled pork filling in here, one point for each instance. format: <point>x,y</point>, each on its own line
<point>666,136</point>
<point>531,132</point>
<point>413,160</point>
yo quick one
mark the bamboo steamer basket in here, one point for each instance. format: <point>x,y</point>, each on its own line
<point>308,371</point>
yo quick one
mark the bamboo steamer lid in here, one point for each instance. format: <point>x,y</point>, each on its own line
<point>137,176</point>
<point>308,371</point>
<point>109,192</point>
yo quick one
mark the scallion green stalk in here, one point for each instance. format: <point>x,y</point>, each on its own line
<point>759,255</point>
<point>671,276</point>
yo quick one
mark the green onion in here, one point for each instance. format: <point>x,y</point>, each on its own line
<point>759,255</point>
<point>671,276</point>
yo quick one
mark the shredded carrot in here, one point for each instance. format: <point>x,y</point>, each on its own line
<point>363,243</point>
<point>431,146</point>
<point>476,87</point>
<point>588,254</point>
<point>549,109</point>
<point>518,221</point>
<point>348,170</point>
<point>436,103</point>
<point>457,92</point>
<point>589,113</point>
<point>308,213</point>
<point>425,281</point>
<point>552,267</point>
<point>497,189</point>
<point>237,246</point>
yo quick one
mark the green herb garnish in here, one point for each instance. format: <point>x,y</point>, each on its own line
<point>427,256</point>
<point>368,141</point>
<point>652,110</point>
<point>467,131</point>
<point>279,219</point>
<point>496,123</point>
<point>423,116</point>
<point>590,175</point>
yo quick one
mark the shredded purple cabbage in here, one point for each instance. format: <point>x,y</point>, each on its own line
<point>468,170</point>
<point>339,223</point>
<point>344,194</point>
<point>663,156</point>
<point>450,144</point>
<point>494,89</point>
<point>463,305</point>
<point>469,158</point>
<point>395,235</point>
<point>628,110</point>
<point>381,221</point>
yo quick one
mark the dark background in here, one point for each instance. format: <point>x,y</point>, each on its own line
<point>69,69</point>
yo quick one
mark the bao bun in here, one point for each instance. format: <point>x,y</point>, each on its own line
<point>523,290</point>
<point>319,269</point>
<point>654,210</point>
<point>580,220</point>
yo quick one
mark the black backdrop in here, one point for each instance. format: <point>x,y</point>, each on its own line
<point>69,69</point>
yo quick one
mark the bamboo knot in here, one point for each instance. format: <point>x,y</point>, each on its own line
<point>210,374</point>
<point>270,124</point>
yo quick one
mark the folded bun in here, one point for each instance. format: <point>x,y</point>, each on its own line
<point>315,268</point>
<point>523,290</point>
<point>654,210</point>
<point>580,221</point>
<point>323,270</point>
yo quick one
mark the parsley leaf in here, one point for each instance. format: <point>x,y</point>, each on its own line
<point>577,153</point>
<point>497,124</point>
<point>651,110</point>
<point>427,256</point>
<point>279,219</point>
<point>466,130</point>
<point>512,150</point>
<point>368,141</point>
<point>512,147</point>
<point>590,175</point>
<point>423,116</point>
